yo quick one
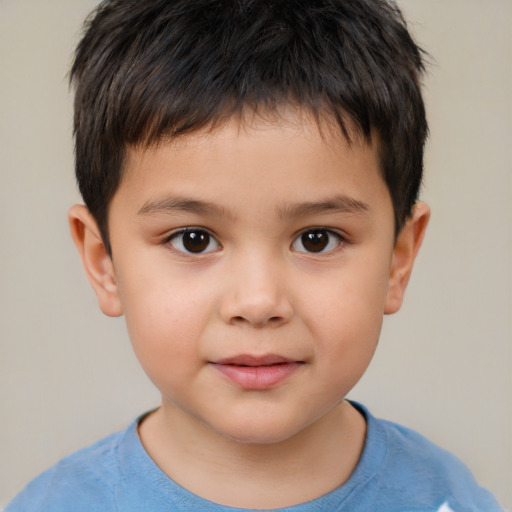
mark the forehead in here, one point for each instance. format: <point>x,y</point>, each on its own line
<point>283,120</point>
<point>275,158</point>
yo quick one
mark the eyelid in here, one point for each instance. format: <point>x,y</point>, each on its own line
<point>181,231</point>
<point>342,240</point>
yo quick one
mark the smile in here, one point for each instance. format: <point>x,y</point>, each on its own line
<point>257,373</point>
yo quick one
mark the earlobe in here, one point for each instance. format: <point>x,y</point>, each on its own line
<point>95,259</point>
<point>404,253</point>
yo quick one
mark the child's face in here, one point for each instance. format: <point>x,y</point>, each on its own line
<point>259,318</point>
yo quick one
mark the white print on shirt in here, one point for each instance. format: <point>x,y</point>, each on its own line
<point>445,508</point>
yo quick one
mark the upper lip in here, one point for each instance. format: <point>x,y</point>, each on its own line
<point>252,360</point>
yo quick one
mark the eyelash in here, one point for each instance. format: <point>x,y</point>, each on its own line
<point>320,238</point>
<point>197,237</point>
<point>323,236</point>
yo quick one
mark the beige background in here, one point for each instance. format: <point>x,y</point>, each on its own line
<point>67,374</point>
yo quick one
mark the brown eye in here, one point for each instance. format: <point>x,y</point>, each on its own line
<point>193,241</point>
<point>316,241</point>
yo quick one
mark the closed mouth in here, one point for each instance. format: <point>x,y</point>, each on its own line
<point>254,361</point>
<point>257,373</point>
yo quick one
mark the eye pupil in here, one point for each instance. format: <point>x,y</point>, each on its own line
<point>196,241</point>
<point>315,241</point>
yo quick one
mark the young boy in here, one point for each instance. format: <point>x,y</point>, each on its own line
<point>250,171</point>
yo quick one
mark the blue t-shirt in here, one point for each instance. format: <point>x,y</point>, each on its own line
<point>399,471</point>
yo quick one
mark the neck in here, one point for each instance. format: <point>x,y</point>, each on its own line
<point>249,475</point>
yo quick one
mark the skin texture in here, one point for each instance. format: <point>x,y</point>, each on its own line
<point>255,187</point>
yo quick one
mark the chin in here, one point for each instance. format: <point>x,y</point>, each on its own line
<point>258,432</point>
<point>257,439</point>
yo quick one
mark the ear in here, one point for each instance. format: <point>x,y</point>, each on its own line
<point>95,259</point>
<point>406,248</point>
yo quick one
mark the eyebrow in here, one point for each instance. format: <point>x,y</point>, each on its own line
<point>183,204</point>
<point>337,204</point>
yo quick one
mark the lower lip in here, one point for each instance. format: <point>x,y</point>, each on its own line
<point>258,377</point>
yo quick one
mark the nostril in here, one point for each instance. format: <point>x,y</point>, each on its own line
<point>274,320</point>
<point>238,319</point>
<point>256,309</point>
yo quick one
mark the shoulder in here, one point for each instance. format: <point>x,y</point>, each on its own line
<point>80,482</point>
<point>417,471</point>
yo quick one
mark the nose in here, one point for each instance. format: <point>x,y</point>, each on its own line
<point>256,294</point>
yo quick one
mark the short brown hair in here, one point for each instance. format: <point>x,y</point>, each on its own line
<point>146,69</point>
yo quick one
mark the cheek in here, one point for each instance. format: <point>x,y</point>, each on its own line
<point>165,323</point>
<point>346,321</point>
<point>345,345</point>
